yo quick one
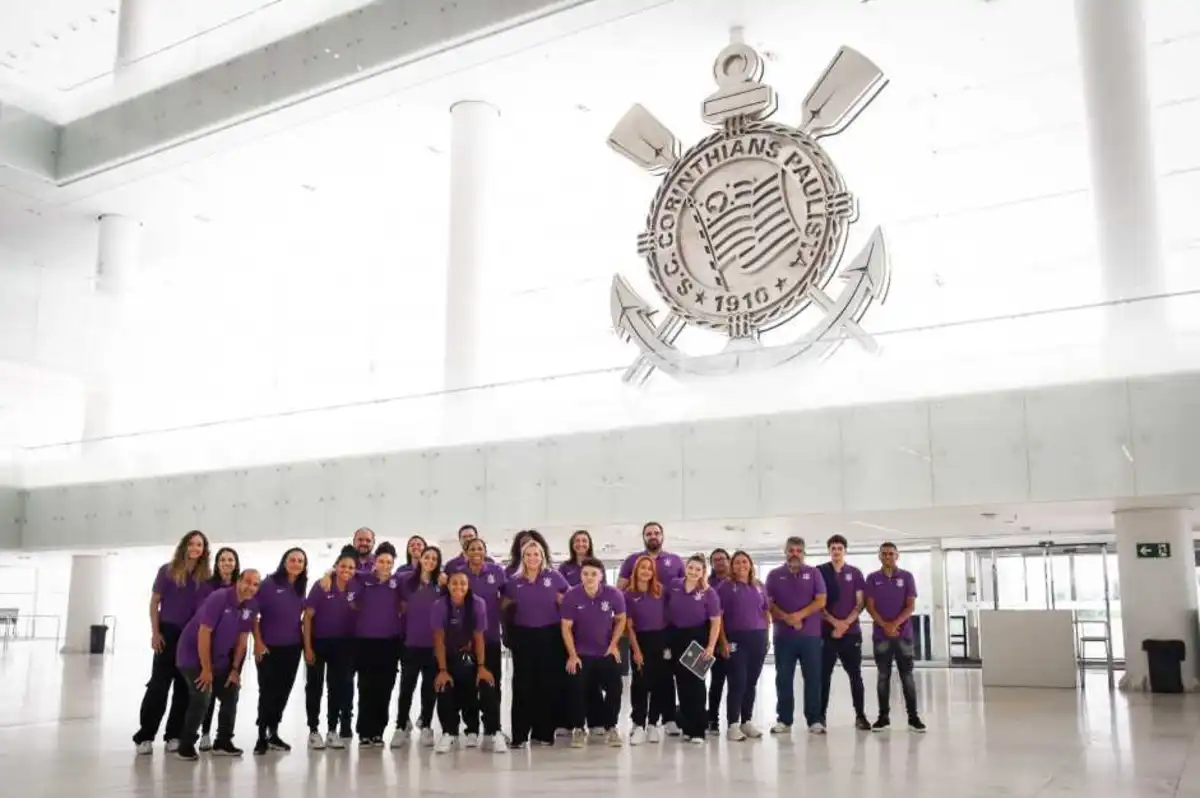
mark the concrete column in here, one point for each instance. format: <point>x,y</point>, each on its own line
<point>472,133</point>
<point>131,33</point>
<point>1158,594</point>
<point>1112,54</point>
<point>939,625</point>
<point>87,601</point>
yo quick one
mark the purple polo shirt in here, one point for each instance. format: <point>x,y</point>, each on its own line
<point>890,594</point>
<point>378,606</point>
<point>686,610</point>
<point>208,587</point>
<point>488,585</point>
<point>592,617</point>
<point>574,574</point>
<point>792,592</point>
<point>459,563</point>
<point>176,603</point>
<point>536,601</point>
<point>333,610</point>
<point>850,581</point>
<point>647,613</point>
<point>667,565</point>
<point>444,616</point>
<point>418,604</point>
<point>715,581</point>
<point>280,608</point>
<point>227,618</point>
<point>365,567</point>
<point>743,606</point>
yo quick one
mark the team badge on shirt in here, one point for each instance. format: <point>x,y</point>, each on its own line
<point>245,615</point>
<point>392,583</point>
<point>491,579</point>
<point>806,577</point>
<point>350,596</point>
<point>604,606</point>
<point>546,582</point>
<point>899,583</point>
<point>278,590</point>
<point>698,595</point>
<point>849,578</point>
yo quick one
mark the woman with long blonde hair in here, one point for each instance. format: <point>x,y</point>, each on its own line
<point>173,600</point>
<point>745,615</point>
<point>652,693</point>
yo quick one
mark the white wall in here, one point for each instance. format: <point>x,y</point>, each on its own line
<point>12,505</point>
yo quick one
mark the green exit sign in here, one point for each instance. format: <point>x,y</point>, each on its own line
<point>1153,551</point>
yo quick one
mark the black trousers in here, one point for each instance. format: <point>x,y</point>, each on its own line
<point>199,702</point>
<point>418,662</point>
<point>717,676</point>
<point>692,712</point>
<point>494,660</point>
<point>652,689</point>
<point>165,679</point>
<point>467,701</point>
<point>601,677</point>
<point>276,678</point>
<point>375,661</point>
<point>848,649</point>
<point>744,667</point>
<point>901,652</point>
<point>331,672</point>
<point>539,666</point>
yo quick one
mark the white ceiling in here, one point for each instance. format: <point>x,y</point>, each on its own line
<point>306,268</point>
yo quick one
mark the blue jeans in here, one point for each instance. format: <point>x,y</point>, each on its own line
<point>806,651</point>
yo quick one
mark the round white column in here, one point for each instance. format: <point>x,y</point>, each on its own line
<point>472,136</point>
<point>86,601</point>
<point>131,33</point>
<point>1112,54</point>
<point>1158,595</point>
<point>939,626</point>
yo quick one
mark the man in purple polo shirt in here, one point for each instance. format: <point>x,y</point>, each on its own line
<point>797,595</point>
<point>593,620</point>
<point>364,544</point>
<point>211,650</point>
<point>840,630</point>
<point>891,595</point>
<point>466,533</point>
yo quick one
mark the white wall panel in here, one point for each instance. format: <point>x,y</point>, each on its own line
<point>219,504</point>
<point>1166,437</point>
<point>580,480</point>
<point>351,493</point>
<point>720,462</point>
<point>1079,442</point>
<point>12,511</point>
<point>886,458</point>
<point>458,478</point>
<point>516,486</point>
<point>978,449</point>
<point>405,487</point>
<point>261,502</point>
<point>800,463</point>
<point>648,474</point>
<point>302,489</point>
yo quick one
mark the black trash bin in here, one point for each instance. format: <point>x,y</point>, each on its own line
<point>1166,665</point>
<point>98,636</point>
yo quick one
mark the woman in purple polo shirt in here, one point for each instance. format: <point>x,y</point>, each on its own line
<point>227,567</point>
<point>329,620</point>
<point>693,614</point>
<point>580,546</point>
<point>464,683</point>
<point>653,689</point>
<point>745,614</point>
<point>535,592</point>
<point>278,644</point>
<point>487,580</point>
<point>377,644</point>
<point>418,592</point>
<point>173,600</point>
<point>412,552</point>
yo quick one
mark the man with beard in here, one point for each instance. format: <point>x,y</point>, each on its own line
<point>364,544</point>
<point>797,595</point>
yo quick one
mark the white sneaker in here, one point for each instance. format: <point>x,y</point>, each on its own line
<point>672,729</point>
<point>471,741</point>
<point>335,742</point>
<point>637,736</point>
<point>485,743</point>
<point>399,738</point>
<point>578,738</point>
<point>498,744</point>
<point>653,734</point>
<point>734,734</point>
<point>816,728</point>
<point>613,738</point>
<point>750,730</point>
<point>145,748</point>
<point>562,732</point>
<point>172,746</point>
<point>596,733</point>
<point>781,728</point>
<point>427,737</point>
<point>445,743</point>
<point>315,741</point>
<point>696,740</point>
<point>205,743</point>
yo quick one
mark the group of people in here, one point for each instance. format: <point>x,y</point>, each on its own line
<point>372,616</point>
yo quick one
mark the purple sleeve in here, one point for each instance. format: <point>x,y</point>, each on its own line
<point>618,602</point>
<point>560,582</point>
<point>509,590</point>
<point>502,581</point>
<point>867,591</point>
<point>819,588</point>
<point>568,611</point>
<point>860,582</point>
<point>437,615</point>
<point>714,603</point>
<point>310,603</point>
<point>770,588</point>
<point>162,581</point>
<point>627,566</point>
<point>763,603</point>
<point>481,615</point>
<point>723,593</point>
<point>911,591</point>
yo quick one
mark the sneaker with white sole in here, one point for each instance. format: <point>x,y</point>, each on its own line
<point>562,732</point>
<point>445,743</point>
<point>637,736</point>
<point>672,729</point>
<point>145,748</point>
<point>334,741</point>
<point>613,738</point>
<point>225,748</point>
<point>578,738</point>
<point>781,728</point>
<point>816,728</point>
<point>653,734</point>
<point>750,730</point>
<point>696,740</point>
<point>596,733</point>
<point>471,741</point>
<point>205,743</point>
<point>315,741</point>
<point>734,734</point>
<point>172,746</point>
<point>399,738</point>
<point>498,743</point>
<point>427,737</point>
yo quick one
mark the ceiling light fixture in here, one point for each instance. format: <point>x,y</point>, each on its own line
<point>878,527</point>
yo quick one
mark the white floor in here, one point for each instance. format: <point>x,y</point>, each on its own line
<point>65,725</point>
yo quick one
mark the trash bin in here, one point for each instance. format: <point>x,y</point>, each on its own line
<point>98,636</point>
<point>1166,665</point>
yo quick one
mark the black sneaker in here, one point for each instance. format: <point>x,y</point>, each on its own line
<point>883,724</point>
<point>916,724</point>
<point>225,748</point>
<point>276,744</point>
<point>862,724</point>
<point>187,752</point>
<point>261,747</point>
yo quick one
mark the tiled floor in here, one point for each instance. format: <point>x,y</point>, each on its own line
<point>65,725</point>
